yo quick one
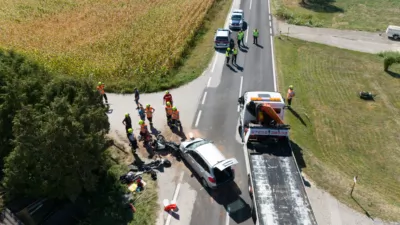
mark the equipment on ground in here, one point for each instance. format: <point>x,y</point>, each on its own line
<point>273,174</point>
<point>366,95</point>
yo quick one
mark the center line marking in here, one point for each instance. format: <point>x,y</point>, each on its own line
<point>227,218</point>
<point>240,91</point>
<point>251,1</point>
<point>178,188</point>
<point>215,62</point>
<point>204,98</point>
<point>198,119</point>
<point>209,81</point>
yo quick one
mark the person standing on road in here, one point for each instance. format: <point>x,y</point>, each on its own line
<point>100,89</point>
<point>132,138</point>
<point>127,122</point>
<point>240,38</point>
<point>255,36</point>
<point>168,98</point>
<point>168,111</point>
<point>143,128</point>
<point>137,95</point>
<point>175,115</point>
<point>235,52</point>
<point>142,113</point>
<point>290,95</point>
<point>149,114</point>
<point>227,54</point>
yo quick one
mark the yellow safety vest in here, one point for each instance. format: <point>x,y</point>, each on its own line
<point>255,33</point>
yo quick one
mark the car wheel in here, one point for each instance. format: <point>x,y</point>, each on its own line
<point>395,37</point>
<point>204,183</point>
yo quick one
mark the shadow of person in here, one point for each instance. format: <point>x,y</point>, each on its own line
<point>154,130</point>
<point>137,160</point>
<point>239,67</point>
<point>174,215</point>
<point>297,115</point>
<point>260,46</point>
<point>231,68</point>
<point>365,211</point>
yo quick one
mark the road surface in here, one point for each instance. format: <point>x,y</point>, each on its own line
<point>217,118</point>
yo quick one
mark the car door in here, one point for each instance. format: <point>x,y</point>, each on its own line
<point>189,159</point>
<point>202,167</point>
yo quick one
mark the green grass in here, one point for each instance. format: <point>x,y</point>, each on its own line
<point>152,45</point>
<point>344,136</point>
<point>108,208</point>
<point>367,15</point>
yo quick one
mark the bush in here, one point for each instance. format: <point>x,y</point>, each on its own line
<point>389,58</point>
<point>297,19</point>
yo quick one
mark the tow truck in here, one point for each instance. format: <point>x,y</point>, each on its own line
<point>275,183</point>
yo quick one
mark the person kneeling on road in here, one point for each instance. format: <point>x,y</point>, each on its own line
<point>132,139</point>
<point>175,116</point>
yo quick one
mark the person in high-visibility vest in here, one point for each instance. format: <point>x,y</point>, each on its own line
<point>255,36</point>
<point>168,111</point>
<point>240,37</point>
<point>143,128</point>
<point>149,113</point>
<point>290,95</point>
<point>227,54</point>
<point>235,52</point>
<point>175,115</point>
<point>100,89</point>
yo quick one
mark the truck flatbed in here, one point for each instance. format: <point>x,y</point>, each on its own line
<point>278,188</point>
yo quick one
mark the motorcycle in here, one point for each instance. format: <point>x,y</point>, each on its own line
<point>160,144</point>
<point>150,167</point>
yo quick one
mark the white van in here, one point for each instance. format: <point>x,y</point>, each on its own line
<point>393,32</point>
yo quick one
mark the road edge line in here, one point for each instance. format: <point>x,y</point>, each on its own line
<point>272,48</point>
<point>177,189</point>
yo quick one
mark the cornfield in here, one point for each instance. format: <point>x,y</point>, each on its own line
<point>117,41</point>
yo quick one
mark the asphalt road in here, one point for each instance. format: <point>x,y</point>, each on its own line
<point>217,118</point>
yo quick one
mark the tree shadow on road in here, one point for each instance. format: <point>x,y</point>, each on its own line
<point>323,6</point>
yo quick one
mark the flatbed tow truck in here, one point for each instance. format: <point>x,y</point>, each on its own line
<point>275,183</point>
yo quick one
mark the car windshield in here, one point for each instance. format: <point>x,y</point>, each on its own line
<point>197,144</point>
<point>236,17</point>
<point>222,39</point>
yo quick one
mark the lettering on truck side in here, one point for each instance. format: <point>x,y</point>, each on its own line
<point>270,132</point>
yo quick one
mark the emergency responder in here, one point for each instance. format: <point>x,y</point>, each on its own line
<point>227,54</point>
<point>168,111</point>
<point>137,95</point>
<point>132,139</point>
<point>290,95</point>
<point>149,113</point>
<point>175,116</point>
<point>255,36</point>
<point>141,111</point>
<point>143,129</point>
<point>240,37</point>
<point>167,98</point>
<point>100,89</point>
<point>235,52</point>
<point>127,122</point>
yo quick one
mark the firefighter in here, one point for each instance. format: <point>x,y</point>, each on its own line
<point>168,111</point>
<point>227,54</point>
<point>100,89</point>
<point>255,36</point>
<point>132,139</point>
<point>175,115</point>
<point>167,98</point>
<point>143,129</point>
<point>149,113</point>
<point>127,122</point>
<point>290,95</point>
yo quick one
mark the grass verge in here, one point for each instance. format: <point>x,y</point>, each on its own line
<point>109,205</point>
<point>125,44</point>
<point>340,135</point>
<point>364,15</point>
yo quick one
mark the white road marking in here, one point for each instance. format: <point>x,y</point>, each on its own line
<point>272,50</point>
<point>240,91</point>
<point>270,18</point>
<point>247,35</point>
<point>227,218</point>
<point>198,118</point>
<point>251,1</point>
<point>204,98</point>
<point>270,30</point>
<point>270,22</point>
<point>178,187</point>
<point>209,81</point>
<point>215,62</point>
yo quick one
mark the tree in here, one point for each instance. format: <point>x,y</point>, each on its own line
<point>58,128</point>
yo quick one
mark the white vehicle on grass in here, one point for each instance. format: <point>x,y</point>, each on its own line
<point>237,20</point>
<point>208,162</point>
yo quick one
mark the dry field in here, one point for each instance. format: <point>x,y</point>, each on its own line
<point>135,42</point>
<point>342,136</point>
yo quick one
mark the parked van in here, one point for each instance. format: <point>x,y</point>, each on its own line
<point>393,32</point>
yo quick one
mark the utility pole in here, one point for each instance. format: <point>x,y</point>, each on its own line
<point>354,185</point>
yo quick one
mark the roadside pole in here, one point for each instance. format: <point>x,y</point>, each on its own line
<point>354,185</point>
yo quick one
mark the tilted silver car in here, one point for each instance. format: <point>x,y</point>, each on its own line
<point>208,162</point>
